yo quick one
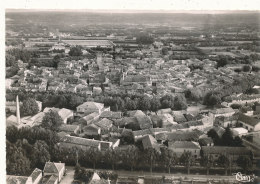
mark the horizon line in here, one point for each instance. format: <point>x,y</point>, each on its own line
<point>129,11</point>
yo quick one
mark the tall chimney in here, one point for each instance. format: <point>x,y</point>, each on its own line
<point>17,110</point>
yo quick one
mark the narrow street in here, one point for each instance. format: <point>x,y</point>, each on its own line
<point>68,178</point>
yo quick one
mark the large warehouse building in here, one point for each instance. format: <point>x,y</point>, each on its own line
<point>90,43</point>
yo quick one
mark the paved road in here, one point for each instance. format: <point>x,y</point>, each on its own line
<point>69,176</point>
<point>159,175</point>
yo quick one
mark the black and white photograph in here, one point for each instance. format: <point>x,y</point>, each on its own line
<point>130,92</point>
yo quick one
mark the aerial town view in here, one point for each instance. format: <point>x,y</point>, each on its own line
<point>132,97</point>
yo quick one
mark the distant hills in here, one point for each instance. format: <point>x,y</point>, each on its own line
<point>175,18</point>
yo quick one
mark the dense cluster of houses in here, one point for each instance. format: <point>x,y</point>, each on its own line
<point>120,70</point>
<point>99,128</point>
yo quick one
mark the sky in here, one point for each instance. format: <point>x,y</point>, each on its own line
<point>135,4</point>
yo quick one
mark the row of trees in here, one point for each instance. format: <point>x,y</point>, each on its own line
<point>145,103</point>
<point>122,102</point>
<point>223,60</point>
<point>28,148</point>
<point>144,39</point>
<point>132,158</point>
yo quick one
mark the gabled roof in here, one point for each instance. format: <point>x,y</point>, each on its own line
<point>10,179</point>
<point>91,105</point>
<point>49,179</point>
<point>91,127</point>
<point>80,141</point>
<point>205,141</point>
<point>51,167</point>
<point>59,166</point>
<point>64,113</point>
<point>248,120</point>
<point>219,130</point>
<point>150,142</point>
<point>36,172</point>
<point>11,120</point>
<point>135,113</point>
<point>90,116</point>
<point>184,145</point>
<point>223,111</point>
<point>181,136</point>
<point>128,120</point>
<point>144,121</point>
<point>179,116</point>
<point>111,115</point>
<point>142,132</point>
<point>68,128</point>
<point>104,123</point>
<point>95,176</point>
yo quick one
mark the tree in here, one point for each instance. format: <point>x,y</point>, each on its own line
<point>187,159</point>
<point>112,156</point>
<point>127,137</point>
<point>255,68</point>
<point>94,155</point>
<point>167,101</point>
<point>252,91</point>
<point>40,154</point>
<point>9,60</point>
<point>193,94</point>
<point>20,54</point>
<point>144,39</point>
<point>131,105</point>
<point>224,162</point>
<point>29,107</point>
<point>27,148</point>
<point>169,159</point>
<point>235,106</point>
<point>12,71</point>
<point>155,104</point>
<point>77,172</point>
<point>207,162</point>
<point>245,163</point>
<point>151,155</point>
<point>16,161</point>
<point>74,101</point>
<point>165,51</point>
<point>222,61</point>
<point>75,51</point>
<point>211,99</point>
<point>56,60</point>
<point>237,142</point>
<point>12,134</point>
<point>131,156</point>
<point>144,104</point>
<point>213,134</point>
<point>227,138</point>
<point>82,174</point>
<point>246,68</point>
<point>52,120</point>
<point>180,102</point>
